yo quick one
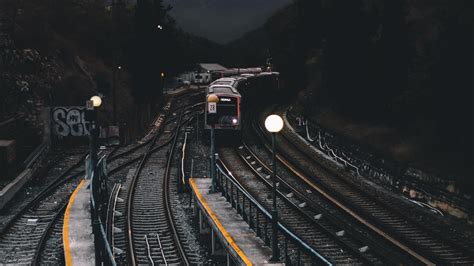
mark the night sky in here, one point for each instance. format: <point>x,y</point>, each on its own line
<point>223,20</point>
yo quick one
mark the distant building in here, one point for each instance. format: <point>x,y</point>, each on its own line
<point>210,67</point>
<point>203,73</point>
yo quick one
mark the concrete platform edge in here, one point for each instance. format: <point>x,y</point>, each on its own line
<point>231,247</point>
<point>78,239</point>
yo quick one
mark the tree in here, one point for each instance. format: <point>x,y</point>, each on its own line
<point>153,48</point>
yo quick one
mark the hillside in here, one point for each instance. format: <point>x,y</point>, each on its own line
<point>401,66</point>
<point>222,21</point>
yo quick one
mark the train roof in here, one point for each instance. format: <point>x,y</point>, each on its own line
<point>222,89</point>
<point>269,73</point>
<point>228,81</point>
<point>224,81</point>
<point>247,75</point>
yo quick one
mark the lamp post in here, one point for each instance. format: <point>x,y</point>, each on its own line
<point>114,89</point>
<point>274,124</point>
<point>94,103</point>
<point>162,81</point>
<point>212,100</point>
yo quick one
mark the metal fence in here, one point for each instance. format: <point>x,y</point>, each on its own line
<point>99,203</point>
<point>295,250</point>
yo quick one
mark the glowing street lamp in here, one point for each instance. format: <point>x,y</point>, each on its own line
<point>274,124</point>
<point>92,105</point>
<point>96,101</point>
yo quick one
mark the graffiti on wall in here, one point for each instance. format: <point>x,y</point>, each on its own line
<point>69,121</point>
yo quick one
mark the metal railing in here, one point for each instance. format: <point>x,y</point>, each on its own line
<point>99,203</point>
<point>259,220</point>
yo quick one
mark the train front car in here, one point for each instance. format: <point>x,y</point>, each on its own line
<point>227,111</point>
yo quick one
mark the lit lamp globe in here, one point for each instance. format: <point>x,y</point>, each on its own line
<point>274,123</point>
<point>212,98</point>
<point>96,101</point>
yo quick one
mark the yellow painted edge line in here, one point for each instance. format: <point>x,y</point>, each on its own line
<point>67,249</point>
<point>219,225</point>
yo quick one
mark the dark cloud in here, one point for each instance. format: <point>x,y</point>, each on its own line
<point>222,20</point>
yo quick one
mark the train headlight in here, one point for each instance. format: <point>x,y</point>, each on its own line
<point>235,121</point>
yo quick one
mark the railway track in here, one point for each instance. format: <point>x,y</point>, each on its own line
<point>49,250</point>
<point>117,220</point>
<point>255,178</point>
<point>152,236</point>
<point>24,232</point>
<point>33,235</point>
<point>419,239</point>
<point>324,215</point>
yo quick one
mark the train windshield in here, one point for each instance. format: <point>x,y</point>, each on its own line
<point>227,109</point>
<point>227,106</point>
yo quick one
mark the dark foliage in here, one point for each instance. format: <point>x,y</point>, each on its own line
<point>398,62</point>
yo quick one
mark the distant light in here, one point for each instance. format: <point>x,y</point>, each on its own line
<point>274,123</point>
<point>119,67</point>
<point>96,101</point>
<point>162,74</point>
<point>235,121</point>
<point>159,27</point>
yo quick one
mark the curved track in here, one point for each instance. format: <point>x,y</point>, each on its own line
<point>347,233</point>
<point>255,178</point>
<point>425,245</point>
<point>152,235</point>
<point>25,232</point>
<point>33,235</point>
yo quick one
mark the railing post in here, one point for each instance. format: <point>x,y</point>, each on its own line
<point>237,205</point>
<point>266,233</point>
<point>95,231</point>
<point>244,215</point>
<point>222,177</point>
<point>298,252</point>
<point>213,160</point>
<point>179,184</point>
<point>227,185</point>
<point>258,223</point>
<point>227,196</point>
<point>232,194</point>
<point>250,215</point>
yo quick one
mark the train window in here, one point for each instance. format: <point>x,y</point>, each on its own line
<point>226,109</point>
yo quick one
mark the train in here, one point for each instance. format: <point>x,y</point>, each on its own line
<point>235,94</point>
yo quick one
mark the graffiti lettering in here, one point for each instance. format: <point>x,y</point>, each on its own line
<point>69,121</point>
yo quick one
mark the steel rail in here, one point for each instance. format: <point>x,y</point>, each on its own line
<point>354,250</point>
<point>166,193</point>
<point>323,191</point>
<point>144,159</point>
<point>45,192</point>
<point>161,248</point>
<point>44,236</point>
